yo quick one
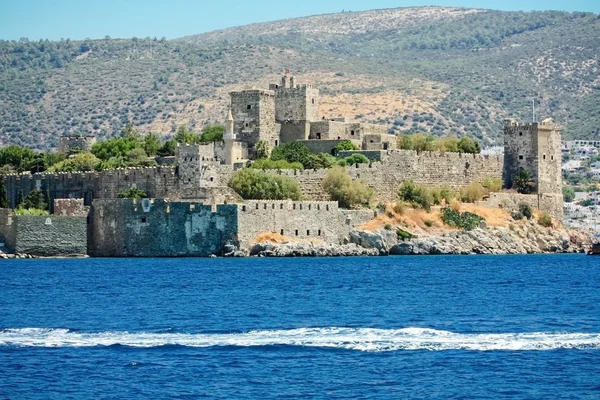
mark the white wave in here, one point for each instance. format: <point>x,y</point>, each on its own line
<point>363,339</point>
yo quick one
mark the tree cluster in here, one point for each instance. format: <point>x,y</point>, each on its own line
<point>422,142</point>
<point>254,184</point>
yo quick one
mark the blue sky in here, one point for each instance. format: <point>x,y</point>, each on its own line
<point>80,19</point>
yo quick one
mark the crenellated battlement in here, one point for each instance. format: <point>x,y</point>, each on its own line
<point>288,205</point>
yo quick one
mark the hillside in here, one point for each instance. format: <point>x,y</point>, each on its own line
<point>442,70</point>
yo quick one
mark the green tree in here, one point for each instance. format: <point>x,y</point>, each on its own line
<point>136,156</point>
<point>78,162</point>
<point>568,194</point>
<point>344,190</point>
<point>185,136</point>
<point>255,184</point>
<point>291,152</point>
<point>168,148</point>
<point>262,149</point>
<point>345,145</point>
<point>35,199</point>
<point>468,145</point>
<point>114,147</point>
<point>151,144</point>
<point>212,133</point>
<point>448,144</point>
<point>129,132</point>
<point>523,182</point>
<point>20,158</point>
<point>356,158</point>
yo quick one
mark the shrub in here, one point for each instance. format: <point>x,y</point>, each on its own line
<point>345,145</point>
<point>524,182</point>
<point>442,194</point>
<point>418,196</point>
<point>133,193</point>
<point>492,184</point>
<point>568,194</point>
<point>526,210</point>
<point>343,189</point>
<point>356,158</point>
<point>474,192</point>
<point>399,208</point>
<point>517,216</point>
<point>387,227</point>
<point>31,212</point>
<point>78,162</point>
<point>403,235</point>
<point>34,200</point>
<point>545,219</point>
<point>428,223</point>
<point>455,205</point>
<point>262,149</point>
<point>255,184</point>
<point>467,221</point>
<point>468,145</point>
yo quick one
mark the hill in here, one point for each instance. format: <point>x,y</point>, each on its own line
<point>441,70</point>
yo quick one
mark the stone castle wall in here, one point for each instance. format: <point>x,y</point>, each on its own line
<point>155,181</point>
<point>386,177</point>
<point>158,228</point>
<point>550,203</point>
<point>321,221</point>
<point>53,235</point>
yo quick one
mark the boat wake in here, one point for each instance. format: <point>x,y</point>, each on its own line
<point>361,339</point>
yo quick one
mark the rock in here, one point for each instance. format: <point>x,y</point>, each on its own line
<point>402,249</point>
<point>369,240</point>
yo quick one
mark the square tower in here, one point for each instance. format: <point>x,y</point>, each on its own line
<point>533,147</point>
<point>295,103</point>
<point>253,113</point>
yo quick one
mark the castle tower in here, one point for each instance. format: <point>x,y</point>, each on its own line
<point>253,113</point>
<point>74,143</point>
<point>533,147</point>
<point>295,103</point>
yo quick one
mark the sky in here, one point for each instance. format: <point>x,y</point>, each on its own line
<point>95,19</point>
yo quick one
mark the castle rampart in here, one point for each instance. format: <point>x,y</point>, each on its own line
<point>455,170</point>
<point>159,228</point>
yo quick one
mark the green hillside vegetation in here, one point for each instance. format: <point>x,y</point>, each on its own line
<point>480,66</point>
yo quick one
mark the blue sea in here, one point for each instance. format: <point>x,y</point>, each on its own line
<point>473,327</point>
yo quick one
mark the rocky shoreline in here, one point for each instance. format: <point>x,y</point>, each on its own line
<point>528,238</point>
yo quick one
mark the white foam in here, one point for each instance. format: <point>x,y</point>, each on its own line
<point>363,339</point>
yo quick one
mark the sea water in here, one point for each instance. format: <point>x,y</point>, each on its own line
<point>381,327</point>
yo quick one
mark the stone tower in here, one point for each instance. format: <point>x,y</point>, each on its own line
<point>295,103</point>
<point>253,113</point>
<point>533,147</point>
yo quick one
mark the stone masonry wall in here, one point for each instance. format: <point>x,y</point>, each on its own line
<point>552,204</point>
<point>52,235</point>
<point>386,177</point>
<point>158,228</point>
<point>156,182</point>
<point>70,207</point>
<point>310,220</point>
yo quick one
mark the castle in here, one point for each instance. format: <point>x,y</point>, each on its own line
<point>192,211</point>
<point>287,112</point>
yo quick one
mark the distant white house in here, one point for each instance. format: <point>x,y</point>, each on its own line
<point>572,166</point>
